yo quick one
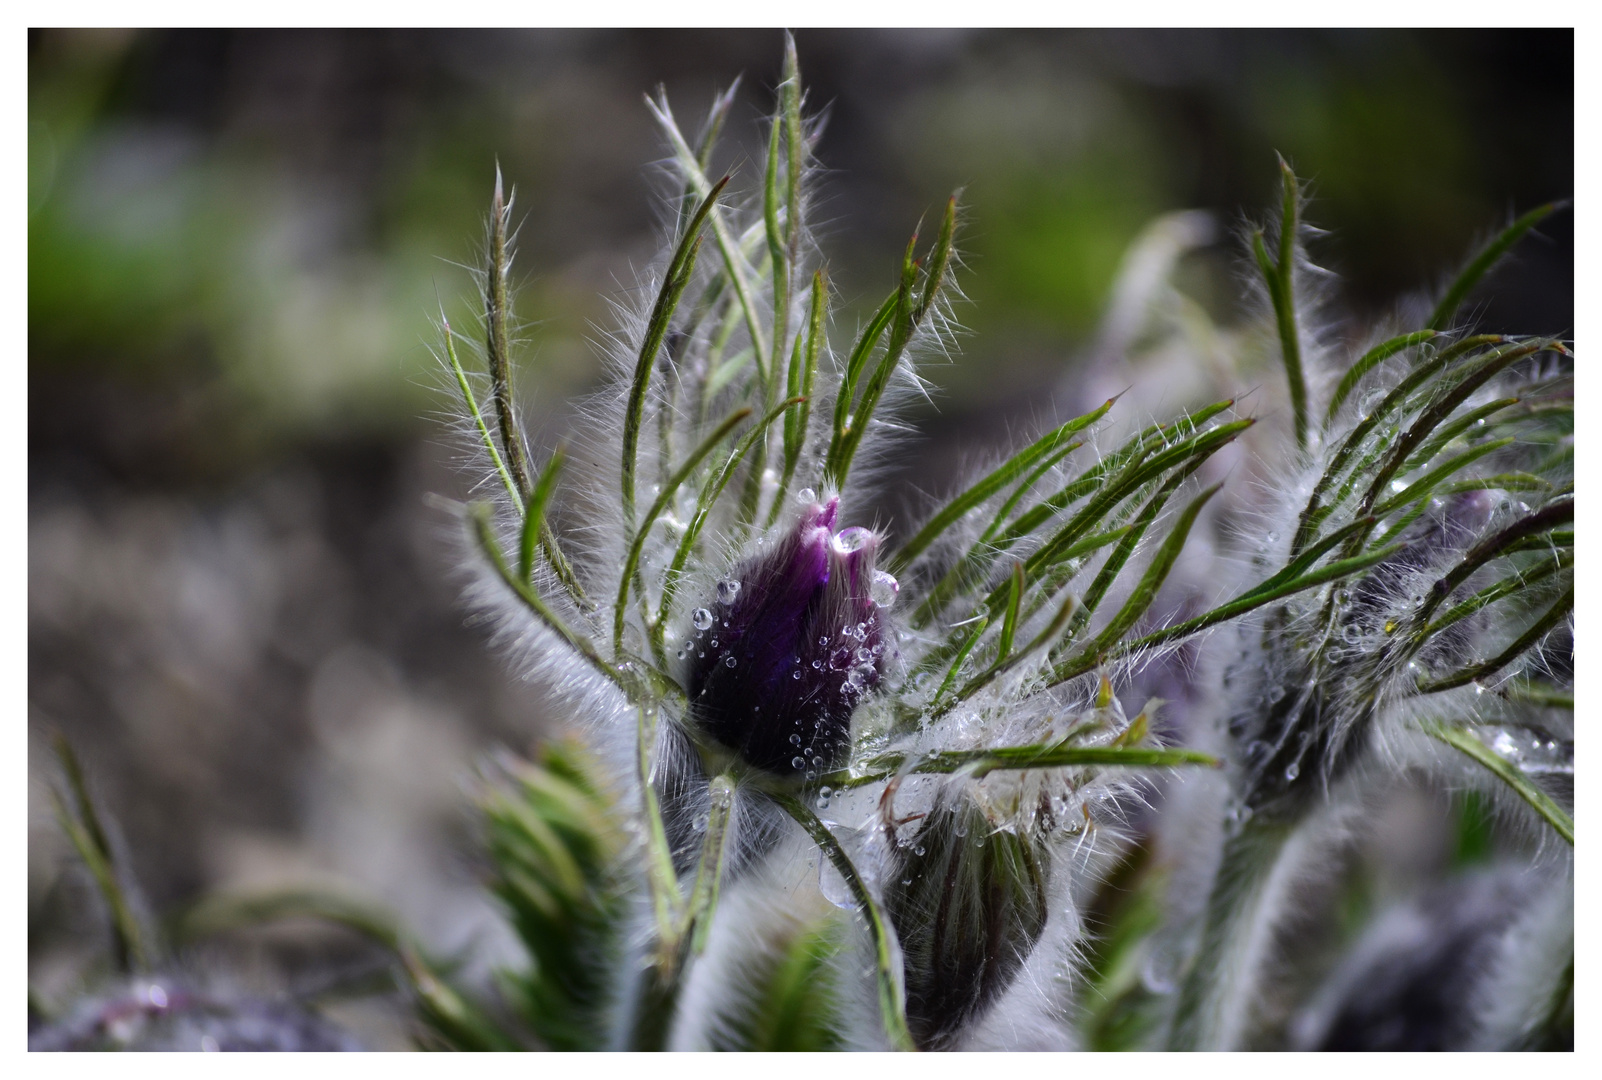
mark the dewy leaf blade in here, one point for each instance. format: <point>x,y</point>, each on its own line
<point>1481,264</point>
<point>710,493</point>
<point>670,488</point>
<point>1425,486</point>
<point>1505,771</point>
<point>887,962</point>
<point>1003,475</point>
<point>1543,626</point>
<point>1370,360</point>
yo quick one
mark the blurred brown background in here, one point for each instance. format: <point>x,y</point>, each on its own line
<point>240,605</point>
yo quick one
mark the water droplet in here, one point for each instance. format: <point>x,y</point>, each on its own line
<point>825,791</point>
<point>1351,634</point>
<point>729,661</point>
<point>806,496</point>
<point>702,618</point>
<point>848,540</point>
<point>817,665</point>
<point>798,763</point>
<point>840,659</point>
<point>919,850</point>
<point>727,591</point>
<point>883,589</point>
<point>795,740</point>
<point>864,655</point>
<point>795,674</point>
<point>1293,770</point>
<point>700,822</point>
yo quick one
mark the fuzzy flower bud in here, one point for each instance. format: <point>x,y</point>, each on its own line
<point>968,902</point>
<point>793,642</point>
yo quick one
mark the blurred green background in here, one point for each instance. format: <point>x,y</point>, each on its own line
<point>240,606</point>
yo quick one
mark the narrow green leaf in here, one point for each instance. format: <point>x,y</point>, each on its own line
<point>887,964</point>
<point>1481,264</point>
<point>1508,586</point>
<point>733,258</point>
<point>1146,590</point>
<point>1489,365</point>
<point>1370,360</point>
<point>1450,431</point>
<point>666,899</point>
<point>1505,771</point>
<point>1499,543</point>
<point>471,402</point>
<point>674,280</point>
<point>860,352</point>
<point>1425,486</point>
<point>1542,626</point>
<point>981,762</point>
<point>1256,598</point>
<point>956,663</point>
<point>1009,623</point>
<point>1003,475</point>
<point>497,350</point>
<point>705,502</point>
<point>130,949</point>
<point>1428,366</point>
<point>1006,659</point>
<point>534,516</point>
<point>484,532</point>
<point>670,488</point>
<point>709,871</point>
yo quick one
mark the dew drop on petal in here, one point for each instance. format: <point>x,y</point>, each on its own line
<point>727,591</point>
<point>795,740</point>
<point>798,763</point>
<point>883,589</point>
<point>1293,770</point>
<point>702,618</point>
<point>806,496</point>
<point>729,661</point>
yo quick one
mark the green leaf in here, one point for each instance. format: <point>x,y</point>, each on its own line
<point>484,533</point>
<point>674,281</point>
<point>534,516</point>
<point>496,348</point>
<point>1481,264</point>
<point>1508,586</point>
<point>1005,474</point>
<point>887,967</point>
<point>670,488</point>
<point>1505,771</point>
<point>794,1004</point>
<point>1426,485</point>
<point>131,949</point>
<point>1152,580</point>
<point>710,492</point>
<point>1542,626</point>
<point>1371,359</point>
<point>981,762</point>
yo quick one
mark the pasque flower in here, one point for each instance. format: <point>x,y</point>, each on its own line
<point>795,638</point>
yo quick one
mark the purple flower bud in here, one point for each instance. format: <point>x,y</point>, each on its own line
<point>791,645</point>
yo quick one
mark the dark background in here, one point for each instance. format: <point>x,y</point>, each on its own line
<point>241,608</point>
